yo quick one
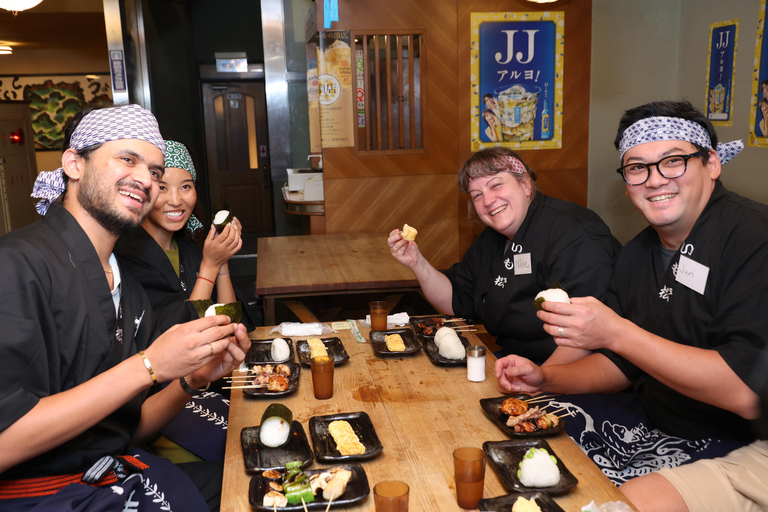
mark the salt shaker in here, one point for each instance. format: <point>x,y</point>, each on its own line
<point>476,363</point>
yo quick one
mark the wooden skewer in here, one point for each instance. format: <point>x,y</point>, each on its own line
<point>304,504</point>
<point>250,386</point>
<point>539,398</point>
<point>464,330</point>
<point>329,503</point>
<point>274,509</point>
<point>453,320</point>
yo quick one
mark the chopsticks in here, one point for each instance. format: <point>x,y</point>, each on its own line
<point>464,329</point>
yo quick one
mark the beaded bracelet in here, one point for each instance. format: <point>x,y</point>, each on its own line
<point>149,367</point>
<point>205,279</point>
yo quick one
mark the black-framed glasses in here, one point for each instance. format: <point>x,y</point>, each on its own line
<point>669,167</point>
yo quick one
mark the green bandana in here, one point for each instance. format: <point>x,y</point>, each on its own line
<point>177,155</point>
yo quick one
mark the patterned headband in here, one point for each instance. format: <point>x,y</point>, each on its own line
<point>98,126</point>
<point>515,166</point>
<point>177,155</point>
<point>653,129</point>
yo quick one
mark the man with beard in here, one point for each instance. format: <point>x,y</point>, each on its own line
<point>78,356</point>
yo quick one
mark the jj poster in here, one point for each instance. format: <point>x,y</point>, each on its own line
<point>721,68</point>
<point>517,79</point>
<point>758,117</point>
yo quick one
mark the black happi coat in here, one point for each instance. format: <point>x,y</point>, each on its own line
<point>141,256</point>
<point>59,330</point>
<point>730,238</point>
<point>567,243</point>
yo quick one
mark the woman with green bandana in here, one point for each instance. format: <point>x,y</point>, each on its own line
<point>168,262</point>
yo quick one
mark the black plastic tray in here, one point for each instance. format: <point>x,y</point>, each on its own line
<point>415,320</point>
<point>357,490</point>
<point>334,346</point>
<point>543,500</point>
<point>379,346</point>
<point>261,352</point>
<point>260,458</point>
<point>293,383</point>
<point>434,353</point>
<point>325,446</point>
<point>505,456</point>
<point>491,409</point>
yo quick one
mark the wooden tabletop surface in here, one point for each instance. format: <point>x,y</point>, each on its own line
<point>421,413</point>
<point>328,263</point>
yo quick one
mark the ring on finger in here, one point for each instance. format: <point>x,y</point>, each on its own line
<point>211,345</point>
<point>560,332</point>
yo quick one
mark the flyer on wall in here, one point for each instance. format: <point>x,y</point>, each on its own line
<point>516,63</point>
<point>758,112</point>
<point>721,70</point>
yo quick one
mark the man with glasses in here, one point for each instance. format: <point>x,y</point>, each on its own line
<point>684,321</point>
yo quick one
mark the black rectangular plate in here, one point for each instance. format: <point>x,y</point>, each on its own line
<point>434,353</point>
<point>379,346</point>
<point>325,446</point>
<point>505,503</point>
<point>491,409</point>
<point>357,490</point>
<point>293,383</point>
<point>261,352</point>
<point>260,458</point>
<point>414,321</point>
<point>505,456</point>
<point>334,346</point>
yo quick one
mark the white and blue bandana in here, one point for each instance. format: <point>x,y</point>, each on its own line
<point>653,129</point>
<point>97,127</point>
<point>177,155</point>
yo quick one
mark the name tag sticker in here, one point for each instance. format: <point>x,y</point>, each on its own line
<point>692,274</point>
<point>523,264</point>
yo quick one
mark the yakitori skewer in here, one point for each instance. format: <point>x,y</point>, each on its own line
<point>454,320</point>
<point>304,504</point>
<point>329,503</point>
<point>249,386</point>
<point>539,398</point>
<point>461,329</point>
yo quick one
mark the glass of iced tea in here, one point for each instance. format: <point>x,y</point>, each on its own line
<point>378,312</point>
<point>322,376</point>
<point>469,469</point>
<point>391,496</point>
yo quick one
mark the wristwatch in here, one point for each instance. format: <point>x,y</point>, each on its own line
<point>189,389</point>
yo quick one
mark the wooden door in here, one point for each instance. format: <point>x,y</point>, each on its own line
<point>236,143</point>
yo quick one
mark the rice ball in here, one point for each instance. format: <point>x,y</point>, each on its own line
<point>538,469</point>
<point>280,350</point>
<point>551,295</point>
<point>211,311</point>
<point>450,346</point>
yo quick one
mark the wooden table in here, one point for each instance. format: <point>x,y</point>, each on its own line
<point>289,267</point>
<point>421,413</point>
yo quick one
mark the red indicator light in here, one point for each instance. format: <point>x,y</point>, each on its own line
<point>17,137</point>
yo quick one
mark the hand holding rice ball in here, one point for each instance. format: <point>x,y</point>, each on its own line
<point>554,294</point>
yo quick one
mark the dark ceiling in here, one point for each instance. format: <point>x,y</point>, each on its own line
<point>54,24</point>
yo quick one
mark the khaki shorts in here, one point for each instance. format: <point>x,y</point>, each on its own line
<point>738,481</point>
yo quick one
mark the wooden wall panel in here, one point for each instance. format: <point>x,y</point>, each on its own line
<point>376,194</point>
<point>380,204</point>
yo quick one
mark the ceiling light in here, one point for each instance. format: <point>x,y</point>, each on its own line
<point>18,5</point>
<point>543,1</point>
<point>6,50</point>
